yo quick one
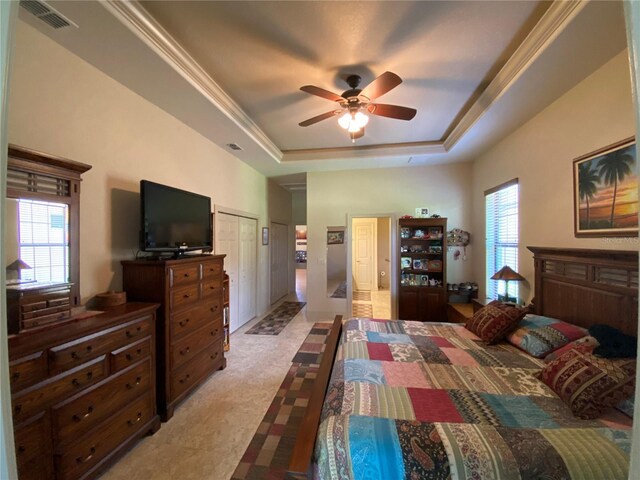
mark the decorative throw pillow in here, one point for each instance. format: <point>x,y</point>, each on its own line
<point>492,322</point>
<point>613,343</point>
<point>588,342</point>
<point>589,385</point>
<point>539,336</point>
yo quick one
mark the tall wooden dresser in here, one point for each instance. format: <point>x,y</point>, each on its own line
<point>190,328</point>
<point>83,391</point>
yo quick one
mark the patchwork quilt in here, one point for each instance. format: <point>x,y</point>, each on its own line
<point>413,400</point>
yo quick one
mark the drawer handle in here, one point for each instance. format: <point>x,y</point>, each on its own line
<point>75,356</point>
<point>185,351</point>
<point>186,295</point>
<point>22,449</point>
<point>212,287</point>
<point>214,356</point>
<point>182,380</point>
<point>186,275</point>
<point>138,380</point>
<point>81,460</point>
<point>131,423</point>
<point>78,418</point>
<point>183,323</point>
<point>214,332</point>
<point>15,376</point>
<point>213,309</point>
<point>129,357</point>
<point>76,382</point>
<point>131,335</point>
<point>17,409</point>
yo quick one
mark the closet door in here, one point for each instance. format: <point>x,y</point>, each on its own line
<point>227,232</point>
<point>279,261</point>
<point>247,269</point>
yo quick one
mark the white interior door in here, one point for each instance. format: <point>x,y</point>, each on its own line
<point>247,268</point>
<point>363,254</point>
<point>227,243</point>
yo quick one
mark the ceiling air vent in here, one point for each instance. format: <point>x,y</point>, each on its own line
<point>234,146</point>
<point>47,14</point>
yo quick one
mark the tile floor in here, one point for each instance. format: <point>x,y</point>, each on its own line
<point>210,431</point>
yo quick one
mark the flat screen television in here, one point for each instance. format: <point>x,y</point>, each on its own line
<point>173,220</point>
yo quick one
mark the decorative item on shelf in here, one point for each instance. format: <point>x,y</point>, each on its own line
<point>110,299</point>
<point>507,274</point>
<point>418,233</point>
<point>15,269</point>
<point>404,248</point>
<point>435,249</point>
<point>435,215</point>
<point>417,264</point>
<point>404,217</point>
<point>435,234</point>
<point>434,265</point>
<point>405,262</point>
<point>405,232</point>
<point>422,212</point>
<point>458,238</point>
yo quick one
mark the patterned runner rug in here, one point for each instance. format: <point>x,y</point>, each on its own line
<point>268,453</point>
<point>362,295</point>
<point>341,291</point>
<point>275,322</point>
<point>362,310</point>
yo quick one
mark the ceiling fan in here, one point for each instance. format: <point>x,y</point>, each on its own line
<point>353,102</point>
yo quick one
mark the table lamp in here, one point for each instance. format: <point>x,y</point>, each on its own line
<point>507,274</point>
<point>17,266</point>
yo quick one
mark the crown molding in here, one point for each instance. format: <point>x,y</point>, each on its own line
<point>145,27</point>
<point>364,152</point>
<point>552,23</point>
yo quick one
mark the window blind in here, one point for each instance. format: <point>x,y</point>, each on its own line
<point>44,240</point>
<point>501,209</point>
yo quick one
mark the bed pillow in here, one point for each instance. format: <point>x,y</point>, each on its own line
<point>589,342</point>
<point>539,336</point>
<point>496,319</point>
<point>590,385</point>
<point>613,343</point>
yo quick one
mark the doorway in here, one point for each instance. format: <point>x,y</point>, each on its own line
<point>279,261</point>
<point>237,238</point>
<point>371,267</point>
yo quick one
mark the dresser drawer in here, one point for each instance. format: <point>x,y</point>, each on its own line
<point>79,351</point>
<point>126,356</point>
<point>211,270</point>
<point>79,414</point>
<point>76,459</point>
<point>185,296</point>
<point>186,348</point>
<point>212,289</point>
<point>190,320</point>
<point>184,275</point>
<point>33,448</point>
<point>27,371</point>
<point>194,370</point>
<point>40,396</point>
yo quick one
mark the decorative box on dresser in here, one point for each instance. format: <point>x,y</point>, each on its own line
<point>423,269</point>
<point>190,324</point>
<point>83,392</point>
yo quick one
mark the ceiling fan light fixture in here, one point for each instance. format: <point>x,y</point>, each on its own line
<point>361,119</point>
<point>345,121</point>
<point>353,122</point>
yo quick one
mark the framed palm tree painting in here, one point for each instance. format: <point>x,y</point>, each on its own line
<point>605,191</point>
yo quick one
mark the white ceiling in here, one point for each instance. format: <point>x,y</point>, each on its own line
<point>232,70</point>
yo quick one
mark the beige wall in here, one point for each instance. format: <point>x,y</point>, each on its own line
<point>384,252</point>
<point>281,211</point>
<point>595,113</point>
<point>299,200</point>
<point>332,196</point>
<point>62,105</point>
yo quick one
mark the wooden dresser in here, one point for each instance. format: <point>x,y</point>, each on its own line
<point>83,392</point>
<point>190,327</point>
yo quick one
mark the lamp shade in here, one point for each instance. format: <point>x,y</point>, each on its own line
<point>18,265</point>
<point>507,273</point>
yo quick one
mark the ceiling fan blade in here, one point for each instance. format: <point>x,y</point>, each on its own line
<point>381,85</point>
<point>321,92</point>
<point>319,118</point>
<point>392,111</point>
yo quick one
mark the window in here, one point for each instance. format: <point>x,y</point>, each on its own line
<point>501,209</point>
<point>44,240</point>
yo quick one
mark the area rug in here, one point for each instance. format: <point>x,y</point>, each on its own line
<point>362,310</point>
<point>267,456</point>
<point>362,296</point>
<point>341,291</point>
<point>279,318</point>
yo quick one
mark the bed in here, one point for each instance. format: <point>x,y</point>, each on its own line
<point>400,399</point>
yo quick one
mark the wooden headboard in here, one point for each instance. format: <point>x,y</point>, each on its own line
<point>585,287</point>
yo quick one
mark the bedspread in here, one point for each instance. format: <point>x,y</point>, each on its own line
<point>430,401</point>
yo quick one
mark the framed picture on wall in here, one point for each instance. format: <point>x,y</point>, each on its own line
<point>335,237</point>
<point>265,235</point>
<point>605,192</point>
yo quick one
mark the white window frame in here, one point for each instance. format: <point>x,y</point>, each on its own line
<point>502,236</point>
